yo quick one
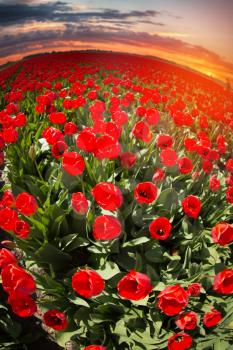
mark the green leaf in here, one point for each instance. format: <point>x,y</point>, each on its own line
<point>137,216</point>
<point>108,312</point>
<point>70,182</point>
<point>10,326</point>
<point>49,254</point>
<point>63,337</point>
<point>73,241</point>
<point>108,270</point>
<point>142,302</point>
<point>78,301</point>
<point>137,324</point>
<point>205,344</point>
<point>48,283</point>
<point>121,329</point>
<point>168,198</point>
<point>187,258</point>
<point>221,344</point>
<point>135,242</point>
<point>159,287</point>
<point>155,255</point>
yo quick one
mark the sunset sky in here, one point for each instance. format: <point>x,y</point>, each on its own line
<point>195,33</point>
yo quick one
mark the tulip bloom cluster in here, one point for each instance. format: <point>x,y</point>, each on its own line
<point>18,284</point>
<point>120,198</point>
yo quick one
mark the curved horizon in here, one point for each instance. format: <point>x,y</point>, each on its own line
<point>196,35</point>
<point>163,60</point>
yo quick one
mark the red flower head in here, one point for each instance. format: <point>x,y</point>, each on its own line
<point>58,149</point>
<point>185,165</point>
<point>168,157</point>
<point>134,286</point>
<point>140,111</point>
<point>213,155</point>
<point>2,159</point>
<point>229,195</point>
<point>113,130</point>
<point>141,131</point>
<point>222,233</point>
<point>86,140</point>
<point>70,128</point>
<point>187,320</point>
<point>214,184</point>
<point>164,141</point>
<point>160,228</point>
<point>229,165</point>
<point>190,144</point>
<point>15,279</point>
<point>152,116</point>
<point>87,283</point>
<point>107,147</point>
<point>99,127</point>
<point>128,160</point>
<point>191,206</point>
<point>8,199</point>
<point>145,192</point>
<point>95,347</point>
<point>10,135</point>
<point>107,195</point>
<point>229,180</point>
<point>22,229</point>
<point>52,135</point>
<point>67,104</point>
<point>212,318</point>
<point>223,282</point>
<point>6,258</point>
<point>8,217</point>
<point>26,204</point>
<point>221,144</point>
<point>57,118</point>
<point>194,289</point>
<point>22,305</point>
<point>12,108</point>
<point>195,175</point>
<point>79,203</point>
<point>207,166</point>
<point>55,319</point>
<point>97,109</point>
<point>106,227</point>
<point>172,300</point>
<point>179,341</point>
<point>73,163</point>
<point>120,118</point>
<point>2,144</point>
<point>92,95</point>
<point>158,176</point>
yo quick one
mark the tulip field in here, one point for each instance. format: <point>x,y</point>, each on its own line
<point>116,207</point>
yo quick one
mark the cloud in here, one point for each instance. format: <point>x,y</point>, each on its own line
<point>14,2</point>
<point>60,11</point>
<point>97,33</point>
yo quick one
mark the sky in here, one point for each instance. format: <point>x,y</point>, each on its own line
<point>194,33</point>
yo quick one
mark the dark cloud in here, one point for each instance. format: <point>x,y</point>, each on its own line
<point>170,14</point>
<point>62,12</point>
<point>13,2</point>
<point>147,21</point>
<point>23,12</point>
